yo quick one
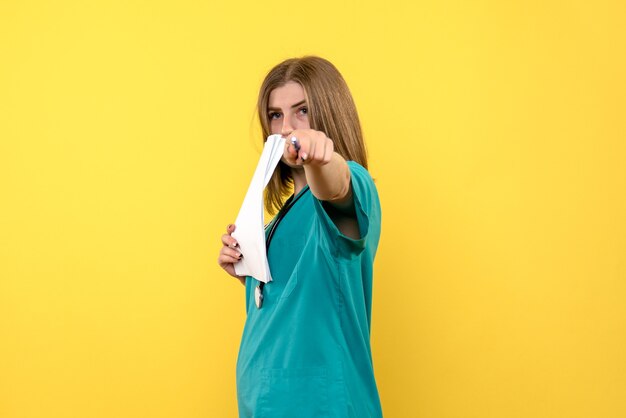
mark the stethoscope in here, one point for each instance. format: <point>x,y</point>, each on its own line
<point>258,291</point>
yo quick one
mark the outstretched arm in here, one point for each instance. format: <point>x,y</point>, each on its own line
<point>328,176</point>
<point>327,173</point>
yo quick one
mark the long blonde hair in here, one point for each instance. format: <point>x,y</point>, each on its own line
<point>331,110</point>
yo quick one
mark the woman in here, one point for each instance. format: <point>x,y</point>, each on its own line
<point>305,350</point>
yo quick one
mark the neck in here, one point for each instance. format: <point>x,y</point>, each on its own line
<point>299,179</point>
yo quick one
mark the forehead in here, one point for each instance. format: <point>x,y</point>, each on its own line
<point>286,95</point>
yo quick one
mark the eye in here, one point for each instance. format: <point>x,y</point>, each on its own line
<point>274,115</point>
<point>303,110</point>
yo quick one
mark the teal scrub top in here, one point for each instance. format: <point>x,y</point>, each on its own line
<point>306,352</point>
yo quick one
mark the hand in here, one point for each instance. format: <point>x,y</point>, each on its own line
<point>315,148</point>
<point>229,254</point>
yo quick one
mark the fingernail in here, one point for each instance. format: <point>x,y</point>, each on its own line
<point>304,156</point>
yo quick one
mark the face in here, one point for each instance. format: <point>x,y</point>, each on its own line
<point>288,109</point>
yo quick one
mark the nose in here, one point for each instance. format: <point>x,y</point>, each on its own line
<point>287,127</point>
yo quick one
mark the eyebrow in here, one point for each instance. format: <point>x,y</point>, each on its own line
<point>292,106</point>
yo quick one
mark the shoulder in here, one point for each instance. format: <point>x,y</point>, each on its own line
<point>362,183</point>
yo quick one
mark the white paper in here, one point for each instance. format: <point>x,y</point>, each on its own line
<point>249,232</point>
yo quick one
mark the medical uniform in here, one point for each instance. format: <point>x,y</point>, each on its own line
<point>306,352</point>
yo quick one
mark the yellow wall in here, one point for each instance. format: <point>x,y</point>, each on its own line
<point>496,135</point>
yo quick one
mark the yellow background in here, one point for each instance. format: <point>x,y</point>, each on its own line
<point>496,135</point>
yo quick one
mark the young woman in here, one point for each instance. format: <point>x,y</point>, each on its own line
<point>305,349</point>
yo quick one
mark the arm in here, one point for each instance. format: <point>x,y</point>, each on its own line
<point>326,172</point>
<point>330,182</point>
<point>328,176</point>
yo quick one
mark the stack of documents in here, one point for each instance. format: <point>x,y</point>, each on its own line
<point>249,232</point>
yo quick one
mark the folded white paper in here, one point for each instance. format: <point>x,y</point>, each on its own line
<point>250,233</point>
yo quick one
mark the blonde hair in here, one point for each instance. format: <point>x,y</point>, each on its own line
<point>331,110</point>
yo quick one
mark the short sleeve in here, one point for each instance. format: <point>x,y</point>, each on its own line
<point>367,208</point>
